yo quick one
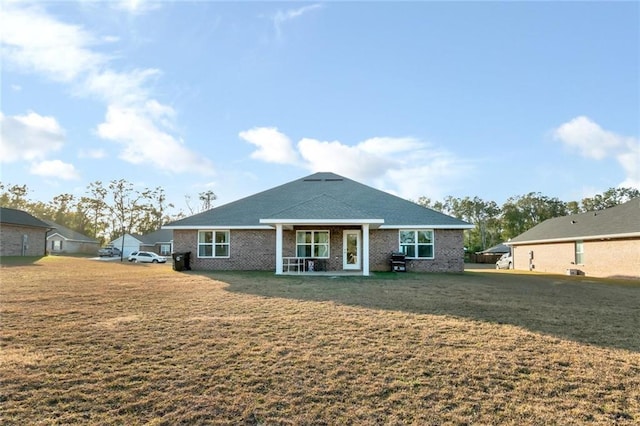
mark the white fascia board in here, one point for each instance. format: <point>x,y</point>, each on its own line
<point>423,226</point>
<point>224,228</point>
<point>59,235</point>
<point>571,239</point>
<point>322,221</point>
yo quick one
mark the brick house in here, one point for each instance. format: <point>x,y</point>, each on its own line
<point>321,222</point>
<point>603,243</point>
<point>22,234</point>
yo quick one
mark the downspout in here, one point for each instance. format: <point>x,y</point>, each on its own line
<point>279,267</point>
<point>45,239</point>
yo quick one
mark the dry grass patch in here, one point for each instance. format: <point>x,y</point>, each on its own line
<point>110,343</point>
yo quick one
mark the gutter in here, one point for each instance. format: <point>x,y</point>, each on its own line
<point>576,238</point>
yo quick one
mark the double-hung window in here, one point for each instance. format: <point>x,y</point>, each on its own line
<point>312,244</point>
<point>417,244</point>
<point>579,248</point>
<point>213,243</point>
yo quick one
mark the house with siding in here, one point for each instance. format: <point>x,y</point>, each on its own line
<point>604,243</point>
<point>22,234</point>
<point>321,222</point>
<point>62,240</point>
<point>159,242</point>
<point>127,243</point>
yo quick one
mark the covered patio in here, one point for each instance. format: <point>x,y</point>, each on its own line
<point>322,247</point>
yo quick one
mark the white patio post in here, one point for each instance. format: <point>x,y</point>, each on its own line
<point>278,249</point>
<point>365,249</point>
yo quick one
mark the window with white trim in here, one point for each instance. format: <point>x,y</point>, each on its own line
<point>312,244</point>
<point>579,248</point>
<point>417,243</point>
<point>213,243</point>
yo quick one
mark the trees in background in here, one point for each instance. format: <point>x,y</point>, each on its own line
<point>494,224</point>
<point>103,212</point>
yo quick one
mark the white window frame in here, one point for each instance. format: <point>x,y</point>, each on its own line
<point>579,252</point>
<point>213,243</point>
<point>416,244</point>
<point>313,243</point>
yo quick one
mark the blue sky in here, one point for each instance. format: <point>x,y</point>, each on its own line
<point>492,99</point>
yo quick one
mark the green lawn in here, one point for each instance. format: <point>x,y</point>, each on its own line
<point>95,342</point>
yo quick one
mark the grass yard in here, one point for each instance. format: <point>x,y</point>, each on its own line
<point>85,341</point>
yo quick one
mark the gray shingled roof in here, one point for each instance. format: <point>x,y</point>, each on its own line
<point>497,249</point>
<point>320,196</point>
<point>158,236</point>
<point>19,217</point>
<point>68,234</point>
<point>621,220</point>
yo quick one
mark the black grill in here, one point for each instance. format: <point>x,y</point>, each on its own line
<point>398,262</point>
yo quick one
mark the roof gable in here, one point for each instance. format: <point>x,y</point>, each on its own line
<point>69,234</point>
<point>19,217</point>
<point>620,220</point>
<point>320,196</point>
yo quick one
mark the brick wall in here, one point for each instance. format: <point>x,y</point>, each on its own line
<point>255,250</point>
<point>249,250</point>
<point>11,237</point>
<point>607,258</point>
<point>448,253</point>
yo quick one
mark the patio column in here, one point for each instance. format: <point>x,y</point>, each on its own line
<point>278,249</point>
<point>365,249</point>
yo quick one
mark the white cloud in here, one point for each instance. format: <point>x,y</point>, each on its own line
<point>63,53</point>
<point>592,141</point>
<point>95,154</point>
<point>588,137</point>
<point>145,143</point>
<point>122,88</point>
<point>407,167</point>
<point>343,159</point>
<point>29,137</point>
<point>273,146</point>
<point>630,162</point>
<point>55,169</point>
<point>280,17</point>
<point>56,49</point>
<point>136,7</point>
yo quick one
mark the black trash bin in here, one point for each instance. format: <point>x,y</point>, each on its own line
<point>178,261</point>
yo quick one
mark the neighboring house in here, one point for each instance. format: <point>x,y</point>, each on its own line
<point>603,243</point>
<point>132,242</point>
<point>160,242</point>
<point>491,255</point>
<point>321,222</point>
<point>22,234</point>
<point>64,240</point>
